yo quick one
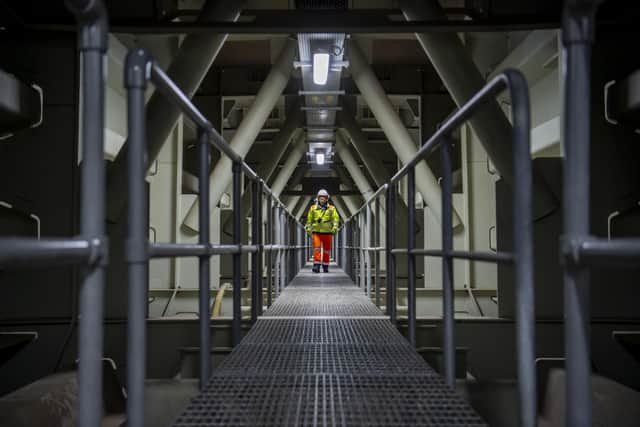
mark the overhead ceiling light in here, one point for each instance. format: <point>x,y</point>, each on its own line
<point>320,158</point>
<point>320,68</point>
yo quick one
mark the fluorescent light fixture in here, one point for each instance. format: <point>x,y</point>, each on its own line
<point>320,68</point>
<point>320,158</point>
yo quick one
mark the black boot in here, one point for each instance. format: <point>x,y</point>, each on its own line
<point>316,268</point>
<point>325,268</point>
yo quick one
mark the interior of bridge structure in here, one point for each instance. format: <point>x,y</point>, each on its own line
<point>158,160</point>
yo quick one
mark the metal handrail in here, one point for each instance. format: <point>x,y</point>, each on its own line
<point>522,256</point>
<point>141,69</point>
<point>90,248</point>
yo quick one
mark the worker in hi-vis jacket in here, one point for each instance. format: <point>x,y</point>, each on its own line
<point>322,223</point>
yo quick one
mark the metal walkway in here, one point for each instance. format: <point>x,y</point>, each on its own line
<point>324,355</point>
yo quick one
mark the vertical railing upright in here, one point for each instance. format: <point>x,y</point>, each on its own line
<point>92,44</point>
<point>376,254</point>
<point>362,243</point>
<point>411,258</point>
<point>343,250</point>
<point>577,38</point>
<point>390,197</point>
<point>236,325</point>
<point>89,250</point>
<point>367,253</point>
<point>256,258</point>
<point>448,311</point>
<point>204,261</point>
<point>269,254</point>
<point>137,259</point>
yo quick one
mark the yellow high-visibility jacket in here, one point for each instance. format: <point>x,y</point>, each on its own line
<point>321,220</point>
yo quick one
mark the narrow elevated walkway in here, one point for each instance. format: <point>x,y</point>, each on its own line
<point>324,355</point>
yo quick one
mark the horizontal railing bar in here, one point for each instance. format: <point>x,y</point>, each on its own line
<point>169,89</point>
<point>498,257</point>
<point>176,250</point>
<point>282,247</point>
<point>16,251</point>
<point>399,251</point>
<point>373,249</point>
<point>604,252</point>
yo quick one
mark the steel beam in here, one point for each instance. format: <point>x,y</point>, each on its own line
<point>302,207</point>
<point>293,202</point>
<point>188,68</point>
<point>248,130</point>
<point>279,145</point>
<point>360,142</point>
<point>463,79</point>
<point>394,129</point>
<point>342,208</point>
<point>349,161</point>
<point>293,158</point>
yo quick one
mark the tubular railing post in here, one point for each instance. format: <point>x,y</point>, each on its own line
<point>376,254</point>
<point>260,242</point>
<point>237,284</point>
<point>343,249</point>
<point>523,252</point>
<point>411,259</point>
<point>391,259</point>
<point>278,241</point>
<point>204,261</point>
<point>350,257</point>
<point>367,249</point>
<point>290,251</point>
<point>298,252</point>
<point>92,44</point>
<point>359,250</point>
<point>278,264</point>
<point>136,80</point>
<point>577,36</point>
<point>270,234</point>
<point>362,235</point>
<point>256,288</point>
<point>448,320</point>
<point>283,252</point>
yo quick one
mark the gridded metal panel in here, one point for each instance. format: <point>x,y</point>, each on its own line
<point>328,400</point>
<point>322,309</point>
<point>297,301</point>
<point>351,371</point>
<point>323,331</point>
<point>331,280</point>
<point>324,358</point>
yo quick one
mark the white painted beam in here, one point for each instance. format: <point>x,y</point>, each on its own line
<point>249,129</point>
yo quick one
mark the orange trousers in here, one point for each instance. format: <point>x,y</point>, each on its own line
<point>322,248</point>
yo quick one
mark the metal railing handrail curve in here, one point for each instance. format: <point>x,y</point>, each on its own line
<point>140,70</point>
<point>358,226</point>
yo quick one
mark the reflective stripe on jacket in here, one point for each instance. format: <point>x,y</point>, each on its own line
<point>322,220</point>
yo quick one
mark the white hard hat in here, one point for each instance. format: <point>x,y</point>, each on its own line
<point>323,192</point>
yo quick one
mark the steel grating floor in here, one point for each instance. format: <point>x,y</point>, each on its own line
<point>324,355</point>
